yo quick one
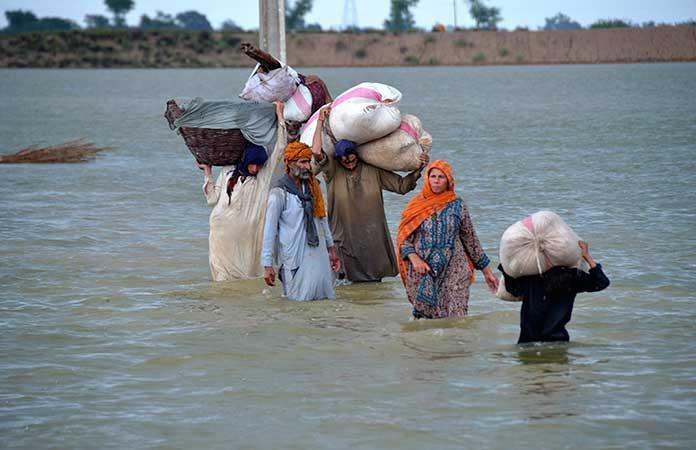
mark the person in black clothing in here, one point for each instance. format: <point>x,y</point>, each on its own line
<point>547,299</point>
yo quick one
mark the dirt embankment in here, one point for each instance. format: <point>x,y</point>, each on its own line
<point>136,48</point>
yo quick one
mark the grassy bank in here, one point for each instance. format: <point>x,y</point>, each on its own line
<point>178,48</point>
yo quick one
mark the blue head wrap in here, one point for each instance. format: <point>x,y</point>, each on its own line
<point>344,147</point>
<point>253,154</point>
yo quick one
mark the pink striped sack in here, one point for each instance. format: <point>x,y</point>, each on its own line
<point>299,107</point>
<point>361,114</point>
<point>400,149</point>
<point>535,244</point>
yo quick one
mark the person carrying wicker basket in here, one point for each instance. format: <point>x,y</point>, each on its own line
<point>239,198</point>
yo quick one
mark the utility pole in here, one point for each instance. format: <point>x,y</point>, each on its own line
<point>454,4</point>
<point>272,28</point>
<point>350,15</point>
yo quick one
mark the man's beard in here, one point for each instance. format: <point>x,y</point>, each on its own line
<point>300,173</point>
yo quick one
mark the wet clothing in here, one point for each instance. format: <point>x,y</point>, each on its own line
<point>240,201</point>
<point>304,269</point>
<point>356,214</point>
<point>543,316</point>
<point>239,210</point>
<point>443,241</point>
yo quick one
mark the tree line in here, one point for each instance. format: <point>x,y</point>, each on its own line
<point>400,19</point>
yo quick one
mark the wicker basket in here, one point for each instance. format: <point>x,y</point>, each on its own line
<point>216,147</point>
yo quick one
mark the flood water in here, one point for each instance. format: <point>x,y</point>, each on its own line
<point>114,336</point>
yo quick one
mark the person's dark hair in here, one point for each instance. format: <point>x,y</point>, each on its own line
<point>559,282</point>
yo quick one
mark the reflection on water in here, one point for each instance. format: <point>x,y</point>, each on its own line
<point>546,381</point>
<point>551,353</point>
<point>113,334</point>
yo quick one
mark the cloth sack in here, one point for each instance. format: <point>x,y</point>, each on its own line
<point>275,86</point>
<point>361,114</point>
<point>299,106</point>
<point>400,149</point>
<point>537,243</point>
<point>503,294</point>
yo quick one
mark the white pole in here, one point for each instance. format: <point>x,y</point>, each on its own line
<point>272,28</point>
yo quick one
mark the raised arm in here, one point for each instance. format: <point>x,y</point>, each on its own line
<point>596,280</point>
<point>211,190</point>
<point>321,162</point>
<point>394,182</point>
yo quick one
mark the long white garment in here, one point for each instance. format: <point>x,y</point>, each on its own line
<point>236,222</point>
<point>304,271</point>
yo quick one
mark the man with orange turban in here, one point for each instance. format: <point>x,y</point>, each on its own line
<point>297,231</point>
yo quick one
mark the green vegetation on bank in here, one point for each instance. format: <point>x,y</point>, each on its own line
<point>124,48</point>
<point>175,48</point>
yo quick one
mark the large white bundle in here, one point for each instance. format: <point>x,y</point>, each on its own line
<point>361,114</point>
<point>400,149</point>
<point>538,242</point>
<point>299,106</point>
<point>275,86</point>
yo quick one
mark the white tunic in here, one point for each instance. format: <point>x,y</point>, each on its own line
<point>304,271</point>
<point>236,222</point>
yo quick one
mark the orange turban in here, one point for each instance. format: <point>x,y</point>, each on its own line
<point>295,151</point>
<point>423,206</point>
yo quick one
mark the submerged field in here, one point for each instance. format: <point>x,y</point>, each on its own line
<point>113,335</point>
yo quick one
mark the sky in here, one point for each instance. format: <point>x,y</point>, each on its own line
<point>371,13</point>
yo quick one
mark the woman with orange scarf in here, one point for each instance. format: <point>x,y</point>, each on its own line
<point>438,249</point>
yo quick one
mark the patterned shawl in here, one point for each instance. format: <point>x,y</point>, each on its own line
<point>423,206</point>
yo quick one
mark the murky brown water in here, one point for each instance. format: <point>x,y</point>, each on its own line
<point>113,335</point>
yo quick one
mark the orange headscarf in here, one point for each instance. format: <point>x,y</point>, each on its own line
<point>423,206</point>
<point>295,151</point>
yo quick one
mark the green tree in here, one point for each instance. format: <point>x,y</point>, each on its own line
<point>230,25</point>
<point>160,21</point>
<point>19,21</point>
<point>400,16</point>
<point>313,27</point>
<point>295,14</point>
<point>120,8</point>
<point>193,20</point>
<point>610,23</point>
<point>56,24</point>
<point>486,18</point>
<point>96,21</point>
<point>561,22</point>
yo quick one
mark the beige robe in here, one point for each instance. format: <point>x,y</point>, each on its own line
<point>356,214</point>
<point>236,222</point>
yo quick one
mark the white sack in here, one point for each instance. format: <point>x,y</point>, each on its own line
<point>275,86</point>
<point>361,114</point>
<point>503,294</point>
<point>400,149</point>
<point>299,106</point>
<point>538,242</point>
